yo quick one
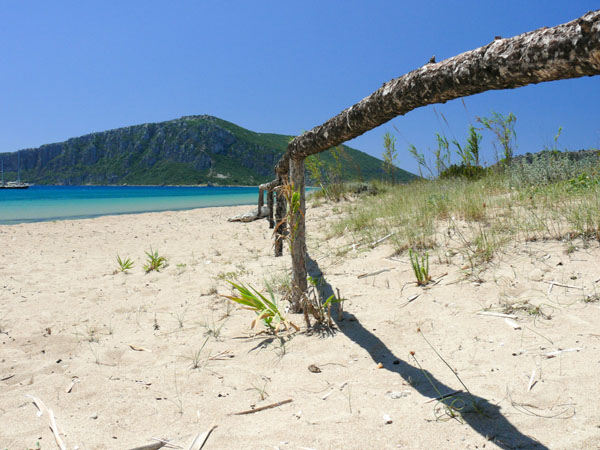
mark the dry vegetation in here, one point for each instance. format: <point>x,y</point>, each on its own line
<point>549,198</point>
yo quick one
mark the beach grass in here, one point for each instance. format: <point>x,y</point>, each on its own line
<point>548,196</point>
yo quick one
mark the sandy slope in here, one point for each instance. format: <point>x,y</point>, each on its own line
<point>66,316</point>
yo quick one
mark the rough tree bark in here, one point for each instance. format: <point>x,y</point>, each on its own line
<point>297,235</point>
<point>280,224</point>
<point>270,206</point>
<point>261,201</point>
<point>570,50</point>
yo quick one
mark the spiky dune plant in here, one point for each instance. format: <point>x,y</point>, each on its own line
<point>420,265</point>
<point>266,310</point>
<point>124,264</point>
<point>154,261</point>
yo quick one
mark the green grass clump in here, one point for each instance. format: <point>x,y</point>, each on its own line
<point>420,265</point>
<point>266,310</point>
<point>553,166</point>
<point>552,195</point>
<point>125,264</point>
<point>154,261</point>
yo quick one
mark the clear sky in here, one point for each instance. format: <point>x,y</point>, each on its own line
<point>73,67</point>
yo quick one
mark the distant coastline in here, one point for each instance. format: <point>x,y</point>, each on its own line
<point>63,202</point>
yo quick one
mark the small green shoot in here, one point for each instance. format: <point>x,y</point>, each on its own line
<point>320,310</point>
<point>124,264</point>
<point>420,265</point>
<point>454,403</point>
<point>197,361</point>
<point>154,262</point>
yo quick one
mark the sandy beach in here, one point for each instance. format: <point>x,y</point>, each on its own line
<point>122,358</point>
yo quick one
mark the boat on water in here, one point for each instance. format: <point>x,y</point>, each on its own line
<point>13,184</point>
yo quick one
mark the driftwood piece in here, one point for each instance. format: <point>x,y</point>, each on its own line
<point>371,274</point>
<point>53,427</point>
<point>250,215</point>
<point>558,352</point>
<point>262,408</point>
<point>531,381</point>
<point>569,286</point>
<point>570,50</point>
<point>379,241</point>
<point>200,439</point>
<point>411,299</point>
<point>271,185</point>
<point>153,446</point>
<point>496,314</point>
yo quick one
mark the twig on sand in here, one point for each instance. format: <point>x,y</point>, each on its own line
<point>410,300</point>
<point>200,439</point>
<point>558,352</point>
<point>157,445</point>
<point>531,382</point>
<point>570,286</point>
<point>138,348</point>
<point>225,354</point>
<point>496,314</point>
<point>391,258</point>
<point>69,388</point>
<point>262,408</point>
<point>442,397</point>
<point>511,323</point>
<point>53,427</point>
<point>153,446</point>
<point>166,442</point>
<point>433,283</point>
<point>377,272</point>
<point>379,241</point>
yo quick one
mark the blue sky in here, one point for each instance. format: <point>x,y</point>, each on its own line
<point>72,67</point>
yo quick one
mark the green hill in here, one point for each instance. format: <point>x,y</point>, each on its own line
<point>185,151</point>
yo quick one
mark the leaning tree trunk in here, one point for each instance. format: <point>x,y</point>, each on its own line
<point>297,235</point>
<point>570,50</point>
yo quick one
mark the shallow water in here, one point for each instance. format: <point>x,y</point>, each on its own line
<point>43,203</point>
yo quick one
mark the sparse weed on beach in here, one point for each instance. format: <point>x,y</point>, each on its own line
<point>453,404</point>
<point>212,329</point>
<point>180,316</point>
<point>197,359</point>
<point>267,311</point>
<point>529,199</point>
<point>154,261</point>
<point>420,266</point>
<point>124,264</point>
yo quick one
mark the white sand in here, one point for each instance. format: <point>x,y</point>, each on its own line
<point>59,296</point>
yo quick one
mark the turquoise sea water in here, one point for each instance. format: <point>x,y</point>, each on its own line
<point>42,203</point>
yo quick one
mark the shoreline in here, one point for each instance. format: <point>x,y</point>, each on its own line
<point>47,204</point>
<point>204,199</point>
<point>96,216</point>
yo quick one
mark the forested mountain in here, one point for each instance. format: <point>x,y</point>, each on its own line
<point>190,150</point>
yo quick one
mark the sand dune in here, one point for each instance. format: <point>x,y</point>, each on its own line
<point>126,344</point>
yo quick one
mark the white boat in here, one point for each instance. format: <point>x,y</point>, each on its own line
<point>13,184</point>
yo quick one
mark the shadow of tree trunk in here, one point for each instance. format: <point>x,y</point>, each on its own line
<point>486,419</point>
